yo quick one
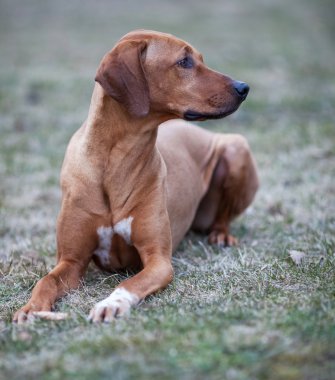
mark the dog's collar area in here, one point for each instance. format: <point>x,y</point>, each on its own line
<point>198,116</point>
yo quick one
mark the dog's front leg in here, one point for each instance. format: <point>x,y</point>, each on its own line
<point>155,276</point>
<point>154,248</point>
<point>76,240</point>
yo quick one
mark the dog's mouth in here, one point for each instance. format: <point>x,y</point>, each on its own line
<point>199,116</point>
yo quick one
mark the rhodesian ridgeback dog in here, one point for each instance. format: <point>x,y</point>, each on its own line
<point>134,180</point>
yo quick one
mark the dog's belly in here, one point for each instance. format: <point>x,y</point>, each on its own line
<point>187,151</point>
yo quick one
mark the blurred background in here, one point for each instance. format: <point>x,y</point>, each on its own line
<point>285,51</point>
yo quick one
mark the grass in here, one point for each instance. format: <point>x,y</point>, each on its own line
<point>240,313</point>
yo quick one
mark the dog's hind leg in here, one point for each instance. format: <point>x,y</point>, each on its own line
<point>232,188</point>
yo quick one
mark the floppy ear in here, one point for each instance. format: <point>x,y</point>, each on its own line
<point>122,76</point>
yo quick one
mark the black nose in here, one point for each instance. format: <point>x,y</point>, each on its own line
<point>241,88</point>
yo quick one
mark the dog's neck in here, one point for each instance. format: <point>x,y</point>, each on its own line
<point>109,124</point>
<point>122,148</point>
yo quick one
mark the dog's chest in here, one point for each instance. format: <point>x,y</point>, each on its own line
<point>105,235</point>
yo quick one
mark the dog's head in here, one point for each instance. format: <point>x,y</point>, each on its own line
<point>156,72</point>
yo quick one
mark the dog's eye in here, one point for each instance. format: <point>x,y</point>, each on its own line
<point>186,63</point>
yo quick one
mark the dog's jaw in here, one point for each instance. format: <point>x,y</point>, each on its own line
<point>198,116</point>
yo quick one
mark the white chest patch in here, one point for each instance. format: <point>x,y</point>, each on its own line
<point>122,228</point>
<point>105,243</point>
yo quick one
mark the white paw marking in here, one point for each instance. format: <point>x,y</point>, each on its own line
<point>122,228</point>
<point>118,304</point>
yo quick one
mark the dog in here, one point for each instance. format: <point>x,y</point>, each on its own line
<point>137,176</point>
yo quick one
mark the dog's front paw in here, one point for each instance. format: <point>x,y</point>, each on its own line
<point>25,314</point>
<point>118,304</point>
<point>21,316</point>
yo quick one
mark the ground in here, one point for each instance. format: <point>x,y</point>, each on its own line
<point>240,313</point>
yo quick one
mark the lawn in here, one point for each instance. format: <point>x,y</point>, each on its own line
<point>239,313</point>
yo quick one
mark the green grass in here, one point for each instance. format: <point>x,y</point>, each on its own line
<point>238,314</point>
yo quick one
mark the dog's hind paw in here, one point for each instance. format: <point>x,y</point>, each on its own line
<point>221,238</point>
